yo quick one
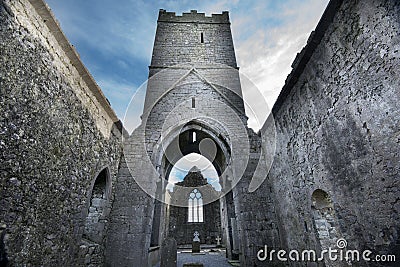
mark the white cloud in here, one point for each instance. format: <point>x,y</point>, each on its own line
<point>266,56</point>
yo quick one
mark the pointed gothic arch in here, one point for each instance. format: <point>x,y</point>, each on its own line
<point>187,138</point>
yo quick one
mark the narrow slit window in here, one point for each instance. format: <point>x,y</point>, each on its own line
<point>193,102</point>
<point>194,137</point>
<point>201,37</point>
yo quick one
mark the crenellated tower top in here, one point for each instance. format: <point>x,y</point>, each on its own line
<point>193,16</point>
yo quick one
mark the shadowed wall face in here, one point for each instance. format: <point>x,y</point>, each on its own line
<point>337,131</point>
<point>52,142</point>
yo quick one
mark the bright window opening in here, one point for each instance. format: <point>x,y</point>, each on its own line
<point>195,207</point>
<point>194,137</point>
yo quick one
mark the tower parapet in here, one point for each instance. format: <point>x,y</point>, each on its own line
<point>193,16</point>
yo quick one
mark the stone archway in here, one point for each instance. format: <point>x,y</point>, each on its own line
<point>189,139</point>
<point>179,142</point>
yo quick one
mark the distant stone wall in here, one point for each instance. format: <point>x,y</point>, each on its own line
<point>209,226</point>
<point>338,131</point>
<point>182,230</point>
<point>56,135</point>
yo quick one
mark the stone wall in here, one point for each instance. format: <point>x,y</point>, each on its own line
<point>57,133</point>
<point>180,227</point>
<point>255,212</point>
<point>182,230</point>
<point>130,225</point>
<point>337,125</point>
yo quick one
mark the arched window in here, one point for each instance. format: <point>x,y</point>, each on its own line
<point>324,218</point>
<point>95,218</point>
<point>195,207</point>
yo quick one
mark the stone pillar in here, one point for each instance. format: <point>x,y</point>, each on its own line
<point>168,253</point>
<point>235,237</point>
<point>130,224</point>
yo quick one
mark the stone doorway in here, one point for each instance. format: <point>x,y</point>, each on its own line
<point>201,173</point>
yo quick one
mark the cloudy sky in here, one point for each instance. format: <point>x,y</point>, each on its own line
<point>115,40</point>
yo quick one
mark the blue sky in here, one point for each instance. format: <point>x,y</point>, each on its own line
<point>115,39</point>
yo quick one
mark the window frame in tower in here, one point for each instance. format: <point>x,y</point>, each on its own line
<point>194,137</point>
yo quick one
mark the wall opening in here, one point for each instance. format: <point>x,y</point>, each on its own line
<point>193,136</point>
<point>182,166</point>
<point>193,102</point>
<point>202,38</point>
<point>95,220</point>
<point>324,218</point>
<point>193,168</point>
<point>193,181</point>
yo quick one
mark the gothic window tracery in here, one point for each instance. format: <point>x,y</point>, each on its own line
<point>195,207</point>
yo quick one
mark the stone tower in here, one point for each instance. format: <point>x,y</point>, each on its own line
<point>193,105</point>
<point>194,48</point>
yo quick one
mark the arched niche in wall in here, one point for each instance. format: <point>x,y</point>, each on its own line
<point>96,214</point>
<point>325,221</point>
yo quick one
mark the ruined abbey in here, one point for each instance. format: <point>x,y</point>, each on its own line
<point>322,173</point>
